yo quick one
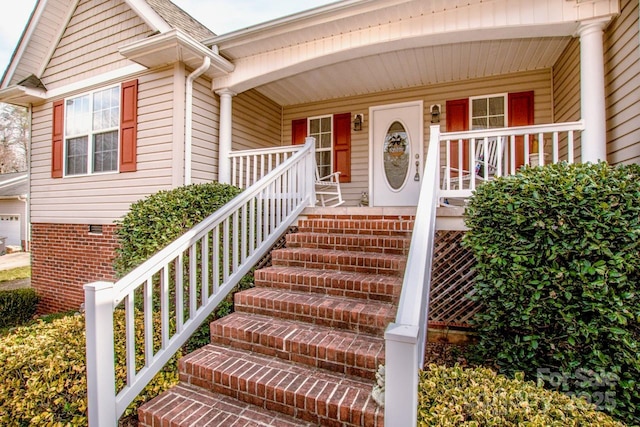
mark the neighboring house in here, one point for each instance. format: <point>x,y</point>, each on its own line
<point>14,218</point>
<point>129,97</point>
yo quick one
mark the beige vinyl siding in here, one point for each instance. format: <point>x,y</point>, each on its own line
<point>566,92</point>
<point>100,199</point>
<point>537,81</point>
<point>206,121</point>
<point>622,77</point>
<point>257,121</point>
<point>89,45</point>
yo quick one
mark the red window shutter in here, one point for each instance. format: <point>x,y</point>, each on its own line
<point>57,148</point>
<point>298,131</point>
<point>342,146</point>
<point>129,126</point>
<point>458,120</point>
<point>520,114</point>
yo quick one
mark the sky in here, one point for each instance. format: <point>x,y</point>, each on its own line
<point>220,16</point>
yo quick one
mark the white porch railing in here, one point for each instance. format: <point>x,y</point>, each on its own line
<point>406,338</point>
<point>247,166</point>
<point>471,157</point>
<point>187,280</point>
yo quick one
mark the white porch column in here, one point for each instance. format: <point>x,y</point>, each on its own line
<point>224,147</point>
<point>594,137</point>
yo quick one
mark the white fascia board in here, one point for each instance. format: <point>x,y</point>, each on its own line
<point>171,47</point>
<point>148,15</point>
<point>296,21</point>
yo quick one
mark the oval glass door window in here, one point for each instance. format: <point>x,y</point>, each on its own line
<point>396,155</point>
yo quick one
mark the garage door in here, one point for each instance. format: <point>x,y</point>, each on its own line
<point>10,228</point>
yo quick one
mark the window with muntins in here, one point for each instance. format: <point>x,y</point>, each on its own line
<point>488,112</point>
<point>321,128</point>
<point>91,132</point>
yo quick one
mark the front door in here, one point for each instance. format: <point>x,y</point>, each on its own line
<point>396,154</point>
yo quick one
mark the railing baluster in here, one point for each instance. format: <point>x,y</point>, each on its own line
<point>512,154</point>
<point>460,165</point>
<point>234,171</point>
<point>164,305</point>
<point>193,283</point>
<point>570,147</point>
<point>243,234</point>
<point>204,272</point>
<point>179,281</point>
<point>215,263</point>
<point>226,246</point>
<point>541,148</point>
<point>148,321</point>
<point>130,334</point>
<point>556,147</point>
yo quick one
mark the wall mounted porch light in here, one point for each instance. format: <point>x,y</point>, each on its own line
<point>357,122</point>
<point>435,113</point>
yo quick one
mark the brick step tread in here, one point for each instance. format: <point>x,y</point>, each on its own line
<point>331,282</point>
<point>382,226</point>
<point>321,259</point>
<point>188,406</point>
<point>350,242</point>
<point>370,317</point>
<point>322,347</point>
<point>314,395</point>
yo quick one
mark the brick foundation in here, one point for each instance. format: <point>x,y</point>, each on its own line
<point>64,257</point>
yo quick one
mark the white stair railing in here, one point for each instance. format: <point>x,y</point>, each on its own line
<point>247,166</point>
<point>187,280</point>
<point>406,338</point>
<point>464,155</point>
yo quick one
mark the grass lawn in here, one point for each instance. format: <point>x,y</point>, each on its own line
<point>15,274</point>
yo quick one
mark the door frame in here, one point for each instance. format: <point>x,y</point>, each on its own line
<point>372,110</point>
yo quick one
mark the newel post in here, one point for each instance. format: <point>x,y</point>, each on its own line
<point>311,166</point>
<point>401,375</point>
<point>101,389</point>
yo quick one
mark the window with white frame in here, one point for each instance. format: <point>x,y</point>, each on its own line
<point>488,112</point>
<point>321,128</point>
<point>91,131</point>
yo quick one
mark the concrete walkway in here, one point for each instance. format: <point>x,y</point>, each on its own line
<point>14,260</point>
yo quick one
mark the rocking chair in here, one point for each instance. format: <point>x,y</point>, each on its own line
<point>328,193</point>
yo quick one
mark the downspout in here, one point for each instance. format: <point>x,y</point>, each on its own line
<point>27,234</point>
<point>188,134</point>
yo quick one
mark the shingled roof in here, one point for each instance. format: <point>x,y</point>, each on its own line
<point>13,184</point>
<point>179,19</point>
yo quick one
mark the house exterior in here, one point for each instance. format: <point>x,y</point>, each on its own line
<point>14,219</point>
<point>170,100</point>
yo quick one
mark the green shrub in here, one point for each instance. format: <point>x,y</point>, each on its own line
<point>154,222</point>
<point>43,375</point>
<point>558,266</point>
<point>17,306</point>
<point>479,397</point>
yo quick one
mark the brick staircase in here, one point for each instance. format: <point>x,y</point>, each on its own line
<point>303,346</point>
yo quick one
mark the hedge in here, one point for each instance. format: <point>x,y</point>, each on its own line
<point>557,253</point>
<point>479,397</point>
<point>43,375</point>
<point>17,306</point>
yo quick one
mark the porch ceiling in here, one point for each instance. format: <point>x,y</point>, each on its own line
<point>416,67</point>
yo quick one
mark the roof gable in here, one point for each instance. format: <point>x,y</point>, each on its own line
<point>50,18</point>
